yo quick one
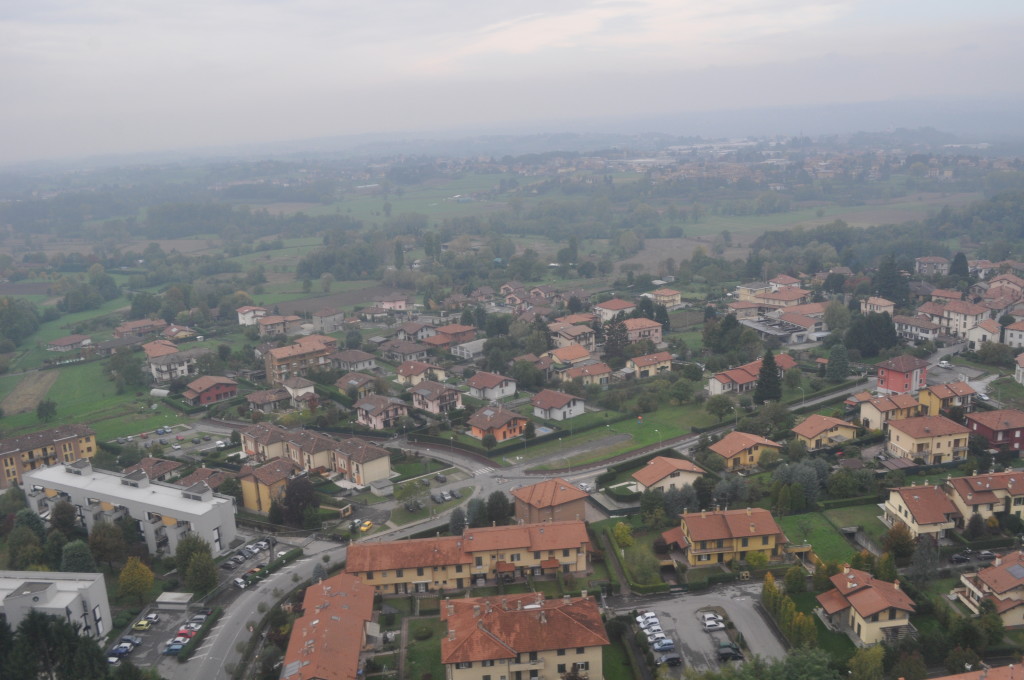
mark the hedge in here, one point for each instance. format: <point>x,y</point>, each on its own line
<point>982,543</point>
<point>334,393</point>
<point>190,647</point>
<point>182,406</point>
<point>847,502</point>
<point>647,588</point>
<point>711,580</point>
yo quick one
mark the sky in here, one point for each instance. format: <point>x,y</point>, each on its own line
<point>83,77</point>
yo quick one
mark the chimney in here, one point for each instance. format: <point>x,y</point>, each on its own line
<point>748,511</point>
<point>476,611</point>
<point>449,607</point>
<point>896,584</point>
<point>753,527</point>
<point>846,568</point>
<point>703,513</point>
<point>493,524</point>
<point>583,593</point>
<point>519,605</point>
<point>543,616</point>
<point>487,605</point>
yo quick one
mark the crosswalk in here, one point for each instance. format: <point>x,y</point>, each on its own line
<point>479,472</point>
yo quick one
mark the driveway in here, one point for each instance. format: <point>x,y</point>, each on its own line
<point>678,616</point>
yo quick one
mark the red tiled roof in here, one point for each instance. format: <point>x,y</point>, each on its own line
<point>737,442</point>
<point>549,493</point>
<point>868,595</point>
<point>640,324</point>
<point>600,368</point>
<point>902,364</point>
<point>660,467</point>
<point>651,359</point>
<point>547,399</point>
<point>212,478</point>
<point>616,305</point>
<point>154,467</point>
<point>726,524</point>
<point>815,424</point>
<point>203,383</point>
<point>411,368</point>
<point>928,504</point>
<point>954,389</point>
<point>927,426</point>
<point>572,352</point>
<point>1002,419</point>
<point>272,472</point>
<point>482,380</point>
<point>490,417</point>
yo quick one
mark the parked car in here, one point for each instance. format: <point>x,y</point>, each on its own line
<point>669,660</point>
<point>645,615</point>
<point>713,625</point>
<point>252,548</point>
<point>241,583</point>
<point>663,645</point>
<point>959,558</point>
<point>437,498</point>
<point>228,564</point>
<point>366,526</point>
<point>192,626</point>
<point>134,640</point>
<point>654,637</point>
<point>207,437</point>
<point>174,648</point>
<point>446,495</point>
<point>653,628</point>
<point>986,555</point>
<point>704,617</point>
<point>727,654</point>
<point>454,493</point>
<point>262,545</point>
<point>153,617</point>
<point>647,624</point>
<point>982,396</point>
<point>440,478</point>
<point>142,625</point>
<point>122,649</point>
<point>186,632</point>
<point>176,447</point>
<point>114,660</point>
<point>196,440</point>
<point>163,441</point>
<point>584,487</point>
<point>945,364</point>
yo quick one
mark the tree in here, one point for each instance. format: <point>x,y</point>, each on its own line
<point>399,255</point>
<point>276,513</point>
<point>769,386</point>
<point>885,568</point>
<point>796,580</point>
<point>201,574</point>
<point>961,660</point>
<point>530,431</point>
<point>12,500</point>
<point>866,663</point>
<point>889,283</point>
<point>719,406</point>
<point>298,495</point>
<point>616,339</point>
<point>457,522</point>
<point>623,534</point>
<point>189,545</point>
<point>975,527</point>
<point>925,561</point>
<point>499,509</point>
<point>53,549</point>
<point>489,441</point>
<point>106,541</point>
<point>231,487</point>
<point>910,666</point>
<point>63,518</point>
<point>136,579</point>
<point>898,542</point>
<point>476,512</point>
<point>958,267</point>
<point>838,368</point>
<point>77,557</point>
<point>353,339</point>
<point>31,521</point>
<point>837,317</point>
<point>46,410</point>
<point>319,572</point>
<point>50,647</point>
<point>24,548</point>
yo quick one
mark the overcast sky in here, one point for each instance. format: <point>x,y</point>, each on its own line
<point>108,76</point>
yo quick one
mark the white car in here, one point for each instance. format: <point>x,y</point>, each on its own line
<point>648,623</point>
<point>705,617</point>
<point>584,487</point>
<point>646,615</point>
<point>982,396</point>
<point>945,364</point>
<point>654,637</point>
<point>652,629</point>
<point>713,625</point>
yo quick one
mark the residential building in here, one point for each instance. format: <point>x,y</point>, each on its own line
<point>479,555</point>
<point>598,373</point>
<point>249,315</point>
<point>642,329</point>
<point>497,421</point>
<point>356,385</point>
<point>650,364</point>
<point>867,609</point>
<point>175,332</point>
<point>449,335</point>
<point>933,439</point>
<point>783,297</point>
<point>157,469</point>
<point>503,637</point>
<point>294,392</point>
<point>140,328</point>
<point>469,351</point>
<point>414,331</point>
<point>53,446</point>
<point>211,477</point>
<point>170,366</point>
<point>955,317</point>
<point>552,500</point>
<point>745,310</point>
<point>68,343</point>
<point>609,309</point>
<point>819,432</point>
<point>663,473</point>
<point>876,412</point>
<point>1018,370</point>
<point>394,303</point>
<point>750,292</point>
<point>1014,335</point>
<point>565,334</point>
<point>209,389</point>
<point>916,328</point>
<point>414,372</point>
<point>718,537</point>
<point>264,484</point>
<point>744,378</point>
<point>491,386</point>
<point>328,321</point>
<point>743,450</point>
<point>309,353</point>
<point>924,510</point>
<point>158,348</point>
<point>353,360</point>
<point>902,375</point>
<point>937,400</point>
<point>990,494</point>
<point>1002,584</point>
<point>435,397</point>
<point>163,513</point>
<point>380,413</point>
<point>931,265</point>
<point>402,350</point>
<point>326,641</point>
<point>784,281</point>
<point>666,296</point>
<point>988,330</point>
<point>75,597</point>
<point>555,405</point>
<point>361,462</point>
<point>877,305</point>
<point>1001,429</point>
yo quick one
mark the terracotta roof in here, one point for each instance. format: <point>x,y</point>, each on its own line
<point>490,417</point>
<point>748,373</point>
<point>360,450</point>
<point>482,380</point>
<point>428,389</point>
<point>927,426</point>
<point>272,472</point>
<point>894,402</point>
<point>616,305</point>
<point>928,504</point>
<point>809,309</point>
<point>266,434</point>
<point>868,595</point>
<point>937,259</point>
<point>726,524</point>
<point>737,442</point>
<point>815,424</point>
<point>947,294</point>
<point>298,349</point>
<point>276,319</point>
<point>879,302</point>
<point>546,399</point>
<point>455,329</point>
<point>1011,672</point>
<point>948,390</point>
<point>569,353</point>
<point>665,292</point>
<point>500,628</point>
<point>964,307</point>
<point>549,493</point>
<point>154,467</point>
<point>1007,576</point>
<point>49,437</point>
<point>832,601</point>
<point>903,364</point>
<point>785,294</point>
<point>799,319</point>
<point>403,347</point>
<point>375,403</point>
<point>640,324</point>
<point>784,279</point>
<point>1003,419</point>
<point>327,640</point>
<point>411,368</point>
<point>599,368</point>
<point>660,467</point>
<point>352,356</point>
<point>203,383</point>
<point>651,359</point>
<point>159,348</point>
<point>250,308</point>
<point>212,478</point>
<point>268,396</point>
<point>675,535</point>
<point>578,318</point>
<point>68,340</point>
<point>980,489</point>
<point>921,322</point>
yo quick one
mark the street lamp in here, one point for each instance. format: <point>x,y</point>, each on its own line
<point>803,396</point>
<point>658,432</point>
<point>736,414</point>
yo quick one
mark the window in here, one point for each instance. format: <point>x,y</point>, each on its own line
<point>486,677</point>
<point>419,571</point>
<point>464,664</point>
<point>565,552</point>
<point>561,652</point>
<point>369,576</point>
<point>582,665</point>
<point>764,540</point>
<point>399,572</point>
<point>487,663</point>
<point>479,561</point>
<point>580,650</point>
<point>536,555</point>
<point>561,668</point>
<point>515,557</point>
<point>746,541</point>
<point>458,568</point>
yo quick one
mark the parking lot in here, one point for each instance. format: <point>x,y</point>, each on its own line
<point>680,621</point>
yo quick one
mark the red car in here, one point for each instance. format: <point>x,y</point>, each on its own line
<point>185,632</point>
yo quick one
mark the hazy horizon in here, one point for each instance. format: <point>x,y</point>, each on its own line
<point>98,78</point>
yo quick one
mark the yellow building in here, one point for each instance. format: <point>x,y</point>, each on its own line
<point>742,450</point>
<point>717,537</point>
<point>933,439</point>
<point>938,399</point>
<point>995,493</point>
<point>650,364</point>
<point>265,484</point>
<point>818,431</point>
<point>925,510</point>
<point>876,412</point>
<point>1002,584</point>
<point>64,444</point>
<point>867,609</point>
<point>481,554</point>
<point>522,637</point>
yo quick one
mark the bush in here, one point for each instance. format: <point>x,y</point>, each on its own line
<point>422,633</point>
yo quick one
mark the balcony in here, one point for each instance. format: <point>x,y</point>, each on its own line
<point>526,666</point>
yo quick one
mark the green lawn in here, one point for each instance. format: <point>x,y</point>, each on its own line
<point>865,516</point>
<point>838,645</point>
<point>424,656</point>
<point>402,516</point>
<point>412,468</point>
<point>813,528</point>
<point>615,662</point>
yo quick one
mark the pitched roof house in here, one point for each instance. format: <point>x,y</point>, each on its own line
<point>551,500</point>
<point>867,609</point>
<point>743,450</point>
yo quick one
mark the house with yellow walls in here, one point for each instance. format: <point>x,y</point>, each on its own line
<point>54,446</point>
<point>867,609</point>
<point>743,450</point>
<point>818,431</point>
<point>717,537</point>
<point>265,484</point>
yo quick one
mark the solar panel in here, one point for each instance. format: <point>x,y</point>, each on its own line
<point>1016,571</point>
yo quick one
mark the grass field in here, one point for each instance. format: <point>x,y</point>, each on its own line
<point>865,516</point>
<point>423,657</point>
<point>813,528</point>
<point>838,646</point>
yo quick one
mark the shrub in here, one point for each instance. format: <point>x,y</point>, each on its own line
<point>423,633</point>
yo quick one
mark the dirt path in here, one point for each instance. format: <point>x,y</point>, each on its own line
<point>29,392</point>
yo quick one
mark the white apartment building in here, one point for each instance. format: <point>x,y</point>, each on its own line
<point>75,597</point>
<point>164,513</point>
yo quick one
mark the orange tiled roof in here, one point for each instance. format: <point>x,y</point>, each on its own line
<point>651,359</point>
<point>490,417</point>
<point>1002,419</point>
<point>927,504</point>
<point>272,472</point>
<point>549,493</point>
<point>640,324</point>
<point>954,389</point>
<point>660,467</point>
<point>1007,576</point>
<point>726,524</point>
<point>482,380</point>
<point>868,595</point>
<point>569,353</point>
<point>616,305</point>
<point>212,478</point>
<point>411,368</point>
<point>500,628</point>
<point>738,442</point>
<point>980,489</point>
<point>546,399</point>
<point>816,423</point>
<point>599,368</point>
<point>927,426</point>
<point>154,467</point>
<point>902,364</point>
